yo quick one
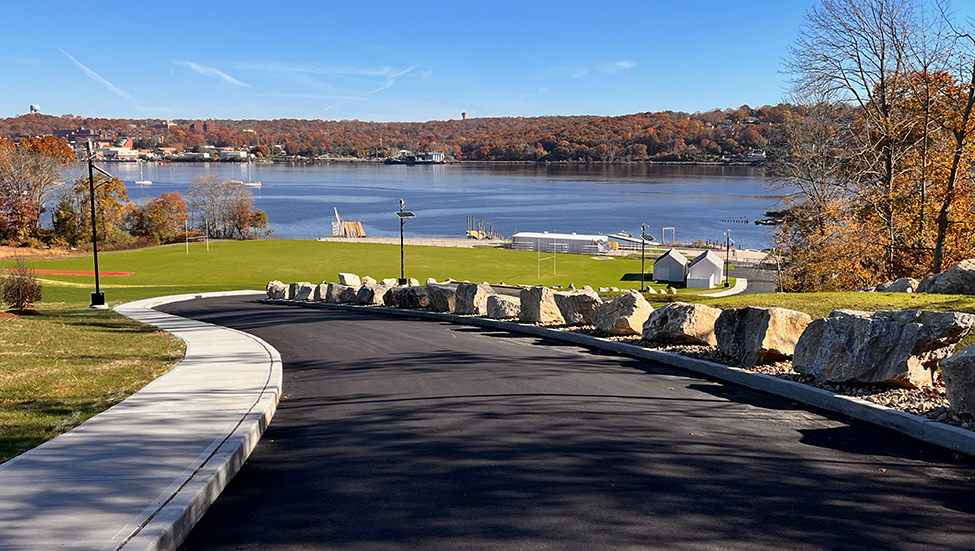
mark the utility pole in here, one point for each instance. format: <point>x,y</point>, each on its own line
<point>727,257</point>
<point>403,215</point>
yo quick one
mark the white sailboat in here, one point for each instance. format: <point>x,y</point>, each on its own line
<point>142,181</point>
<point>253,183</point>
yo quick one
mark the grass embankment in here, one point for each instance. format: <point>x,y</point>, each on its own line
<point>67,363</point>
<point>60,366</point>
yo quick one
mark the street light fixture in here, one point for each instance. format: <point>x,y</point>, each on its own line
<point>727,257</point>
<point>643,247</point>
<point>403,215</point>
<point>97,297</point>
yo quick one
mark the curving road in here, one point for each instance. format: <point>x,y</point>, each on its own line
<point>408,434</point>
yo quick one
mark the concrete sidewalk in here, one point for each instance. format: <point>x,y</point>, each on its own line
<point>140,475</point>
<point>740,285</point>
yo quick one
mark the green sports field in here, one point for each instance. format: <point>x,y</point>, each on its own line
<point>251,264</point>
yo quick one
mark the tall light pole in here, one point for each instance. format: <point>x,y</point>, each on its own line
<point>727,257</point>
<point>98,297</point>
<point>403,215</point>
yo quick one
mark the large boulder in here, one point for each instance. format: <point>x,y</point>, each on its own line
<point>578,307</point>
<point>472,298</point>
<point>390,282</point>
<point>896,347</point>
<point>683,323</point>
<point>336,293</point>
<point>503,307</point>
<point>371,295</point>
<point>302,290</point>
<point>320,292</point>
<point>351,280</point>
<point>623,315</point>
<point>277,289</point>
<point>903,285</point>
<point>753,336</point>
<point>958,372</point>
<point>958,280</point>
<point>442,297</point>
<point>410,298</point>
<point>538,306</point>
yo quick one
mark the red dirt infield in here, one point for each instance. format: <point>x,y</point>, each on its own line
<point>71,272</point>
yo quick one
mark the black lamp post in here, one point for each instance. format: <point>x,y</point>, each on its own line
<point>727,257</point>
<point>403,215</point>
<point>97,297</point>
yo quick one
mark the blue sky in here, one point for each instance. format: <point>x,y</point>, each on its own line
<point>392,61</point>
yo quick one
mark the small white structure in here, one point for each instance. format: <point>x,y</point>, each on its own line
<point>671,267</point>
<point>704,272</point>
<point>567,243</point>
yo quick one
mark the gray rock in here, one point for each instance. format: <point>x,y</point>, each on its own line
<point>957,280</point>
<point>442,297</point>
<point>578,307</point>
<point>503,307</point>
<point>371,295</point>
<point>671,291</point>
<point>334,293</point>
<point>904,285</point>
<point>320,292</point>
<point>277,290</point>
<point>624,315</point>
<point>351,280</point>
<point>753,336</point>
<point>349,294</point>
<point>471,298</point>
<point>896,347</point>
<point>538,306</point>
<point>958,372</point>
<point>410,298</point>
<point>683,323</point>
<point>303,290</point>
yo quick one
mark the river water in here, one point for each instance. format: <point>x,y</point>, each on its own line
<point>699,202</point>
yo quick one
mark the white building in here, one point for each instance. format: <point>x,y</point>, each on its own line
<point>704,272</point>
<point>671,267</point>
<point>569,243</point>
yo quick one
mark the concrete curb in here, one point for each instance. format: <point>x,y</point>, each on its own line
<point>915,426</point>
<point>740,285</point>
<point>171,517</point>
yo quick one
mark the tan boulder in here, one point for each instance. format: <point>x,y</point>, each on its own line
<point>538,306</point>
<point>578,307</point>
<point>503,307</point>
<point>753,336</point>
<point>624,315</point>
<point>442,297</point>
<point>683,323</point>
<point>351,280</point>
<point>471,298</point>
<point>277,290</point>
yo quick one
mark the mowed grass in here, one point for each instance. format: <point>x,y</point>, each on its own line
<point>251,264</point>
<point>58,367</point>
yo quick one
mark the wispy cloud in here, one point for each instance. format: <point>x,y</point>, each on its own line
<point>98,78</point>
<point>20,60</point>
<point>391,79</point>
<point>211,72</point>
<point>341,70</point>
<point>618,66</point>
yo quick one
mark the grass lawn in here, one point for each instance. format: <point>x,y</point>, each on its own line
<point>60,366</point>
<point>67,362</point>
<point>251,264</point>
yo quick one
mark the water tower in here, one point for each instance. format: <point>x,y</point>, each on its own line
<point>35,109</point>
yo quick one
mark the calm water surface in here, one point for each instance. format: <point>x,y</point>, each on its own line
<point>697,201</point>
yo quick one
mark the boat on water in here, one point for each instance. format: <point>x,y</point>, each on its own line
<point>434,158</point>
<point>256,183</point>
<point>142,181</point>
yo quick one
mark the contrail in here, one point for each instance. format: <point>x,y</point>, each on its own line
<point>211,72</point>
<point>96,77</point>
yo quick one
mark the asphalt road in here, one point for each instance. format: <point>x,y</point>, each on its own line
<point>409,434</point>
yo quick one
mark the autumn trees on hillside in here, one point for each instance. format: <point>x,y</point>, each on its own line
<point>29,170</point>
<point>880,166</point>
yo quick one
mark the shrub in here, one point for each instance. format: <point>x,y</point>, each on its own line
<point>19,287</point>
